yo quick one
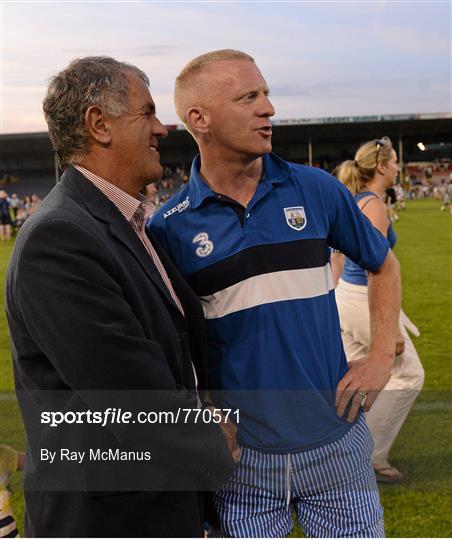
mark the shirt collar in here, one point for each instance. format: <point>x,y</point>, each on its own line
<point>125,203</point>
<point>276,171</point>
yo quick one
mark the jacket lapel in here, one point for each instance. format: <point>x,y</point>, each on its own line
<point>128,237</point>
<point>184,292</point>
<point>103,209</point>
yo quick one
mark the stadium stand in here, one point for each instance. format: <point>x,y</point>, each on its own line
<point>323,142</point>
<point>39,183</point>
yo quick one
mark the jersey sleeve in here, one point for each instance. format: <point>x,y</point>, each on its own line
<point>352,233</point>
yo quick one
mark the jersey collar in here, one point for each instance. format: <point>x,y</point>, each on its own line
<point>276,171</point>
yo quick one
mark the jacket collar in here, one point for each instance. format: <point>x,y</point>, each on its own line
<point>104,210</point>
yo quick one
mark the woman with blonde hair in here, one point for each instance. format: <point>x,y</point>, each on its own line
<point>367,176</point>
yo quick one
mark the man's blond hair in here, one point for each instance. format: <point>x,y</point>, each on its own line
<point>190,89</point>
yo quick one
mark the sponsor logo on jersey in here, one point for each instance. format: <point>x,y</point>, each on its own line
<point>295,217</point>
<point>205,246</point>
<point>178,208</point>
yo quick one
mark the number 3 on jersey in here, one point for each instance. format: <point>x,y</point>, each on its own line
<point>205,245</point>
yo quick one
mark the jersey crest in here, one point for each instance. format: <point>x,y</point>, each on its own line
<point>295,217</point>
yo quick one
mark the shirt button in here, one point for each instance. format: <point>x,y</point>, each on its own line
<point>247,216</point>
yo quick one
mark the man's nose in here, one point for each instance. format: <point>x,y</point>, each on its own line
<point>159,130</point>
<point>266,109</point>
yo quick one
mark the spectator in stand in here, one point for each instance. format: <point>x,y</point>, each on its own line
<point>166,189</point>
<point>447,196</point>
<point>27,203</point>
<point>22,215</point>
<point>35,201</point>
<point>373,170</point>
<point>181,171</point>
<point>167,172</point>
<point>5,217</point>
<point>151,192</point>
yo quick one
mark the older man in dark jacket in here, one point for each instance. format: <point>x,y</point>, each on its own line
<point>100,319</point>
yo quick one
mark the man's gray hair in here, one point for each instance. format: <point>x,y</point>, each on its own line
<point>94,80</point>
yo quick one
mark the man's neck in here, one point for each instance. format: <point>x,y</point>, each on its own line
<point>237,179</point>
<point>108,171</point>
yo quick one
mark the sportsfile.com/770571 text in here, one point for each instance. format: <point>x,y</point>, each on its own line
<point>118,416</point>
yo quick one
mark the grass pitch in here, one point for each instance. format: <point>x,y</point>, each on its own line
<point>420,506</point>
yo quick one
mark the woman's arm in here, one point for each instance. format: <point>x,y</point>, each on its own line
<point>375,210</point>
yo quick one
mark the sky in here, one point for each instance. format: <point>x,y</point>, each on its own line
<point>319,58</point>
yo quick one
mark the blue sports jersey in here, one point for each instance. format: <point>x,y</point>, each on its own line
<point>353,273</point>
<point>275,349</point>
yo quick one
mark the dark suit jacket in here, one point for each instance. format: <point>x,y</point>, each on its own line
<point>93,326</point>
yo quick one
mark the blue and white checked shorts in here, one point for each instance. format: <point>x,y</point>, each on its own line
<point>332,490</point>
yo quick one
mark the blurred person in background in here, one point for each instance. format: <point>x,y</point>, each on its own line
<point>5,217</point>
<point>35,201</point>
<point>14,203</point>
<point>374,170</point>
<point>151,192</point>
<point>391,201</point>
<point>10,462</point>
<point>446,196</point>
<point>400,195</point>
<point>22,215</point>
<point>166,189</point>
<point>27,203</point>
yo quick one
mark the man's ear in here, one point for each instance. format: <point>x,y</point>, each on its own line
<point>198,119</point>
<point>97,125</point>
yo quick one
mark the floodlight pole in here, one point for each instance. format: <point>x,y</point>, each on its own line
<point>402,173</point>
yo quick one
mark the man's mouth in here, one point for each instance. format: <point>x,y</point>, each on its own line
<point>154,148</point>
<point>265,131</point>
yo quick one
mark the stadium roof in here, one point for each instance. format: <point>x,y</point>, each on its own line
<point>361,119</point>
